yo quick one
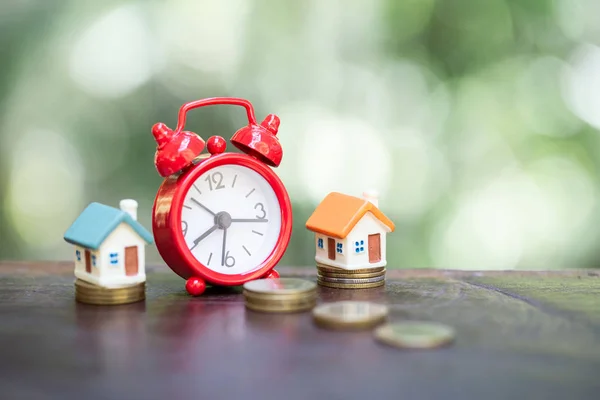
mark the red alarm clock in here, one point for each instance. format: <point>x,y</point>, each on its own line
<point>221,218</point>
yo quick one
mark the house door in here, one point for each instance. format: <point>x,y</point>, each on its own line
<point>375,248</point>
<point>88,262</point>
<point>131,261</point>
<point>331,248</point>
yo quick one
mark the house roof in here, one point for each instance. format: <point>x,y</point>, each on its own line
<point>96,222</point>
<point>338,213</point>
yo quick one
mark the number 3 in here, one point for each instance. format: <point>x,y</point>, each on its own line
<point>262,209</point>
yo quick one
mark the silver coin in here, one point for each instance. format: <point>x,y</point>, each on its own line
<point>280,286</point>
<point>352,280</point>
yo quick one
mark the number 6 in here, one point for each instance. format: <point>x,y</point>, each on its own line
<point>227,258</point>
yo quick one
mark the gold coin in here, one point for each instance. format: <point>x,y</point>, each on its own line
<point>279,286</point>
<point>115,301</point>
<point>350,285</point>
<point>415,334</point>
<point>86,292</point>
<point>278,302</point>
<point>282,304</point>
<point>134,293</point>
<point>109,293</point>
<point>287,308</point>
<point>90,287</point>
<point>291,297</point>
<point>328,268</point>
<point>107,297</point>
<point>109,303</point>
<point>351,275</point>
<point>349,315</point>
<point>351,280</point>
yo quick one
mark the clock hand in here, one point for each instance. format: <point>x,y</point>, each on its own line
<point>205,234</point>
<point>224,245</point>
<point>249,220</point>
<point>202,205</point>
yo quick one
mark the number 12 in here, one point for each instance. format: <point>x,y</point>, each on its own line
<point>217,179</point>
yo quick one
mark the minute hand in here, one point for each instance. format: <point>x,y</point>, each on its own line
<point>249,220</point>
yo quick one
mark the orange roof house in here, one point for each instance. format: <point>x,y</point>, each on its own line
<point>350,232</point>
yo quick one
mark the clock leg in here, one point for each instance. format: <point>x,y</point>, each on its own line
<point>195,286</point>
<point>272,275</point>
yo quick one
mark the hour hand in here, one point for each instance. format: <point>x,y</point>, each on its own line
<point>202,206</point>
<point>249,220</point>
<point>204,235</point>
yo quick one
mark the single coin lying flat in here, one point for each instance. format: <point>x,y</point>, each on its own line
<point>276,286</point>
<point>415,334</point>
<point>349,315</point>
<point>280,295</point>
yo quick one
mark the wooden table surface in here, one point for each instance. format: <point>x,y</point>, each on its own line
<point>521,335</point>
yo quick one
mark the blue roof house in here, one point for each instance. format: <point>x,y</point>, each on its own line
<point>109,245</point>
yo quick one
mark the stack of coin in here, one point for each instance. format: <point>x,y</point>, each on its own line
<point>89,293</point>
<point>350,279</point>
<point>280,295</point>
<point>349,315</point>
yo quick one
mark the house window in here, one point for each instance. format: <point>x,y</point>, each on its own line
<point>114,258</point>
<point>94,260</point>
<point>78,255</point>
<point>339,248</point>
<point>359,247</point>
<point>320,243</point>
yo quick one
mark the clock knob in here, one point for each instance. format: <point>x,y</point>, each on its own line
<point>216,145</point>
<point>195,286</point>
<point>273,275</point>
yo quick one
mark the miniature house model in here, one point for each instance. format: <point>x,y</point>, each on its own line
<point>109,245</point>
<point>350,232</point>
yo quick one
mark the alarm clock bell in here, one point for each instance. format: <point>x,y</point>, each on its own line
<point>174,151</point>
<point>260,141</point>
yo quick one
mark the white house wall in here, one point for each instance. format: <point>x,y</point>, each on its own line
<point>114,275</point>
<point>80,265</point>
<point>368,225</point>
<point>322,255</point>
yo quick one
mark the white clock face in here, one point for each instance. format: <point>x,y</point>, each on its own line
<point>231,219</point>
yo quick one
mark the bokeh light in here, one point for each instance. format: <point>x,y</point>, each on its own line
<point>45,189</point>
<point>477,122</point>
<point>582,83</point>
<point>113,56</point>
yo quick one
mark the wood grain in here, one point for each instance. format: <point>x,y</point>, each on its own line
<point>520,335</point>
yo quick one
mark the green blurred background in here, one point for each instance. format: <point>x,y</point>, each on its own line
<point>476,120</point>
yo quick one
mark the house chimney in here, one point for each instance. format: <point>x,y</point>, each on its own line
<point>130,207</point>
<point>372,196</point>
